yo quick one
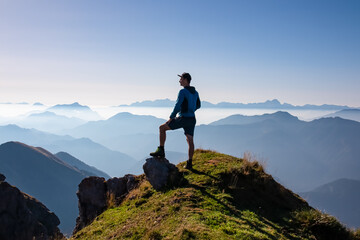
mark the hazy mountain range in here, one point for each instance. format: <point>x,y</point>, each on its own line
<point>81,166</point>
<point>324,150</point>
<point>299,154</point>
<point>339,198</point>
<point>48,121</point>
<point>111,162</point>
<point>39,173</point>
<point>290,147</point>
<point>351,114</point>
<point>272,104</point>
<point>75,110</point>
<point>124,132</point>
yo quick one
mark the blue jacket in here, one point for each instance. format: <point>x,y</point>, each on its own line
<point>187,103</point>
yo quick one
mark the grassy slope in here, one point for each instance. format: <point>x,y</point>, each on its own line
<point>223,198</point>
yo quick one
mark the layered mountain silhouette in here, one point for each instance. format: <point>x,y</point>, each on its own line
<point>49,122</point>
<point>123,132</point>
<point>300,154</point>
<point>351,114</point>
<point>339,198</point>
<point>84,168</point>
<point>111,162</point>
<point>125,123</point>
<point>323,150</point>
<point>42,175</point>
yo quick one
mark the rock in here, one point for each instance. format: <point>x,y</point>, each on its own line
<point>92,200</point>
<point>119,187</point>
<point>131,182</point>
<point>116,186</point>
<point>2,178</point>
<point>23,217</point>
<point>96,195</point>
<point>161,173</point>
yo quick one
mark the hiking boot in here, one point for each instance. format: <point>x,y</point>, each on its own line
<point>158,153</point>
<point>188,164</point>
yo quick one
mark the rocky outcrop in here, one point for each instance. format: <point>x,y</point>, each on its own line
<point>92,200</point>
<point>22,217</point>
<point>96,195</point>
<point>161,173</point>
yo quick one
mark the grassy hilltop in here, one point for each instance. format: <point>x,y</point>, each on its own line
<point>222,198</point>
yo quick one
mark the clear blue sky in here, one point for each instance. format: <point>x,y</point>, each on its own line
<point>114,52</point>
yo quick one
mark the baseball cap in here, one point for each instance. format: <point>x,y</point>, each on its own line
<point>185,75</point>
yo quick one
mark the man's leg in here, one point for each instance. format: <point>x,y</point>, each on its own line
<point>190,141</point>
<point>160,151</point>
<point>162,133</point>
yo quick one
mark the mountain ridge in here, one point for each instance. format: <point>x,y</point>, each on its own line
<point>80,165</point>
<point>107,160</point>
<point>339,198</point>
<point>268,104</point>
<point>39,173</point>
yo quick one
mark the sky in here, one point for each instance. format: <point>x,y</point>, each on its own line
<point>115,52</point>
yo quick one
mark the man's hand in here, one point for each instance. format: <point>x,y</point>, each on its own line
<point>168,121</point>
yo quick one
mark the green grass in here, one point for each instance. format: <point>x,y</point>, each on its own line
<point>222,198</point>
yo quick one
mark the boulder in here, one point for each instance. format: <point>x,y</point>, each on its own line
<point>24,217</point>
<point>161,173</point>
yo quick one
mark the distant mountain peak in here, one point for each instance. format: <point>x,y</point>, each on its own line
<point>127,115</point>
<point>274,101</point>
<point>284,114</point>
<point>38,104</point>
<point>70,106</point>
<point>238,119</point>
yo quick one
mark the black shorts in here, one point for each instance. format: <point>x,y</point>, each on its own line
<point>187,123</point>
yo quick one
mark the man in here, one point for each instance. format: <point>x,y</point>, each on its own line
<point>187,103</point>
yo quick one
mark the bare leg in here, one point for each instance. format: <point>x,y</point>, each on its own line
<point>190,140</point>
<point>162,130</point>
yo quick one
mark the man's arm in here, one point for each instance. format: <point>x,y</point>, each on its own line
<point>198,103</point>
<point>178,103</point>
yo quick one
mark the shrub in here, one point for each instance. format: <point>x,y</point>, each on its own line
<point>321,225</point>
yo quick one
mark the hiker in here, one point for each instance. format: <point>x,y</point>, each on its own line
<point>187,103</point>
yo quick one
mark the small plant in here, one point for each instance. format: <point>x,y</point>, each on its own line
<point>155,235</point>
<point>251,165</point>
<point>322,225</point>
<point>186,234</point>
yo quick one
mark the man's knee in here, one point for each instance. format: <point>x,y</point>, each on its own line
<point>164,127</point>
<point>189,139</point>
